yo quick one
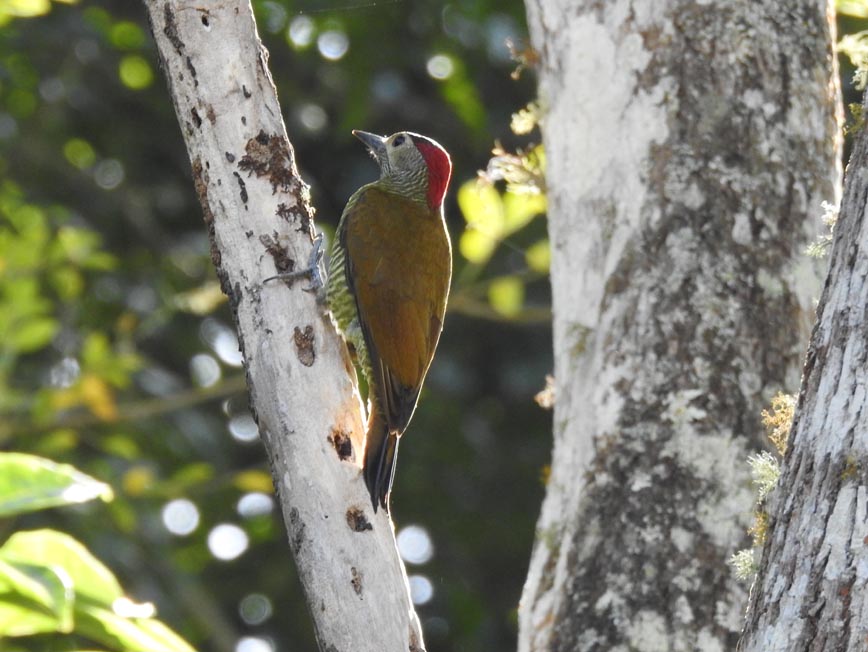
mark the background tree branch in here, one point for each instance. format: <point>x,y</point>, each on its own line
<point>810,590</point>
<point>299,376</point>
<point>688,150</point>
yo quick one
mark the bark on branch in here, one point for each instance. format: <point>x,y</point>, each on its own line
<point>689,146</point>
<point>811,592</point>
<point>259,218</point>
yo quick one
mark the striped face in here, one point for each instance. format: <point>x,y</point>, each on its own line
<point>412,164</point>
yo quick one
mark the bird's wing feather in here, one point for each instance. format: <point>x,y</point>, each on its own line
<point>400,287</point>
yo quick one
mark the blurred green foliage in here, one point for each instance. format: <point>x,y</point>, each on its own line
<point>117,353</point>
<point>50,583</point>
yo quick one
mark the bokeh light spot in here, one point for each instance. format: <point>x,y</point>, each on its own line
<point>255,503</point>
<point>440,66</point>
<point>301,31</point>
<point>109,174</point>
<point>421,589</point>
<point>255,609</point>
<point>333,45</point>
<point>227,541</point>
<point>254,644</point>
<point>181,517</point>
<point>243,428</point>
<point>222,340</point>
<point>204,370</point>
<point>415,545</point>
<point>312,117</point>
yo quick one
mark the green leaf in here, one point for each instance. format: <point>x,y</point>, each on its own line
<point>190,475</point>
<point>89,577</point>
<point>506,295</point>
<point>520,208</point>
<point>130,634</point>
<point>51,582</point>
<point>126,35</point>
<point>29,483</point>
<point>253,480</point>
<point>32,334</point>
<point>135,72</point>
<point>67,282</point>
<point>539,256</point>
<point>476,246</point>
<point>857,8</point>
<point>483,210</point>
<point>79,153</point>
<point>482,206</point>
<point>34,599</point>
<point>24,8</point>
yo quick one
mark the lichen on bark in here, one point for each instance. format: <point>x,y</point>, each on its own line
<point>689,147</point>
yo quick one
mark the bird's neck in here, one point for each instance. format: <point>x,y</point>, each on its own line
<point>412,184</point>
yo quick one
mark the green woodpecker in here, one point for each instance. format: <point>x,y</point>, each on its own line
<point>389,275</point>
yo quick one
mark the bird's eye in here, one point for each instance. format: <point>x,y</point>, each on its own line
<point>398,141</point>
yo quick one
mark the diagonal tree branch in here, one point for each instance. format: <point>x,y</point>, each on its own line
<point>299,376</point>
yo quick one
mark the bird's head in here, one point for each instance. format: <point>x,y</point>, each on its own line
<point>411,165</point>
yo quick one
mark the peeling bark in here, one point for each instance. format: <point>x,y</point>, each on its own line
<point>259,218</point>
<point>689,146</point>
<point>810,592</point>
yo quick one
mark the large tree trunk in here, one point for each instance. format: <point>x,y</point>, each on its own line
<point>689,147</point>
<point>299,375</point>
<point>810,592</point>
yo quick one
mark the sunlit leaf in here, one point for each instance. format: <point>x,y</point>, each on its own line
<point>521,208</point>
<point>253,480</point>
<point>100,611</point>
<point>32,334</point>
<point>89,577</point>
<point>483,210</point>
<point>79,153</point>
<point>98,397</point>
<point>476,246</point>
<point>57,442</point>
<point>506,295</point>
<point>76,244</point>
<point>138,480</point>
<point>539,256</point>
<point>135,72</point>
<point>34,599</point>
<point>126,35</point>
<point>96,349</point>
<point>482,206</point>
<point>100,261</point>
<point>29,483</point>
<point>190,475</point>
<point>68,282</point>
<point>24,8</point>
<point>121,445</point>
<point>129,634</point>
<point>857,8</point>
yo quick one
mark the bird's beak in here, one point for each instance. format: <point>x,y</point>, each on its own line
<point>377,144</point>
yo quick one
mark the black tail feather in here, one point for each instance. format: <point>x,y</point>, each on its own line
<point>381,451</point>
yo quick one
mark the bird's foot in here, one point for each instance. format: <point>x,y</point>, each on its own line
<point>312,271</point>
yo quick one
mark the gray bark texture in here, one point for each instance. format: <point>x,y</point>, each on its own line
<point>810,592</point>
<point>299,375</point>
<point>689,147</point>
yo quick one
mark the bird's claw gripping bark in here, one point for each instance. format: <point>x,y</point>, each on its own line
<point>312,271</point>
